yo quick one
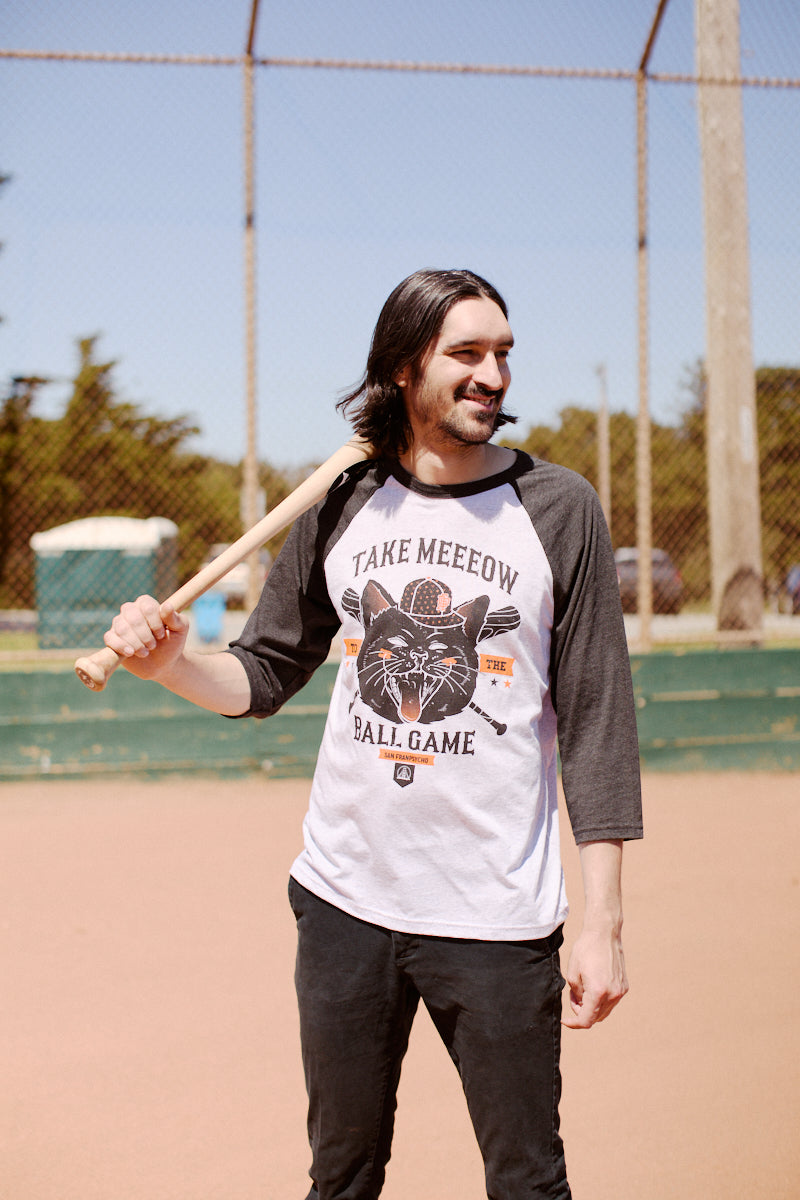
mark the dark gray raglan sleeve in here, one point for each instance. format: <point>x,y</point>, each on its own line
<point>289,633</point>
<point>590,676</point>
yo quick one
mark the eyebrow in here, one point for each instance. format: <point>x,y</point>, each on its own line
<point>465,343</point>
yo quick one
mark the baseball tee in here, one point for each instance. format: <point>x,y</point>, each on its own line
<point>481,633</point>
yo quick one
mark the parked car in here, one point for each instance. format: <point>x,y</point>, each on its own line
<point>792,588</point>
<point>667,582</point>
<point>233,586</point>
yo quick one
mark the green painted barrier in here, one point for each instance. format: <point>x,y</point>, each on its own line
<point>51,726</point>
<point>701,710</point>
<point>719,709</point>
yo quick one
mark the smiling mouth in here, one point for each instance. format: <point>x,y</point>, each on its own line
<point>484,399</point>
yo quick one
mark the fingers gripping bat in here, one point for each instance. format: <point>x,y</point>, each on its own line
<point>96,669</point>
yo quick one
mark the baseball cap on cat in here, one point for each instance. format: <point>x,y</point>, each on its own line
<point>430,602</point>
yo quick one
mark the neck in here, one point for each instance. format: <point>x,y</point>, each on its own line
<point>455,464</point>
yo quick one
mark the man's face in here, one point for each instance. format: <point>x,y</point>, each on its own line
<point>455,396</point>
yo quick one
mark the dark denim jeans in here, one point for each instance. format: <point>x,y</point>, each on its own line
<point>497,1007</point>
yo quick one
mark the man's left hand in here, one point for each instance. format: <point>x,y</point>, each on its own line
<point>596,978</point>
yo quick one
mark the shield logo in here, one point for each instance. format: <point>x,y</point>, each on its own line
<point>403,774</point>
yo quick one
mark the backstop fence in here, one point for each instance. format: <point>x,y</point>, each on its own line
<point>141,380</point>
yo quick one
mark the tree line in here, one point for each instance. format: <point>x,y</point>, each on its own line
<point>106,456</point>
<point>679,475</point>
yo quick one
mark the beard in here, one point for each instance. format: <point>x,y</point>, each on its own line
<point>468,431</point>
<point>467,426</point>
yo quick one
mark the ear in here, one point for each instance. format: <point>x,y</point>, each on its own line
<point>473,613</point>
<point>374,601</point>
<point>403,377</point>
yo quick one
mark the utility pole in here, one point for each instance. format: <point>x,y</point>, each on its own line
<point>732,443</point>
<point>644,471</point>
<point>250,491</point>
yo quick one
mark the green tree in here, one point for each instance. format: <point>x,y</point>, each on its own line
<point>778,404</point>
<point>107,457</point>
<point>18,439</point>
<point>778,419</point>
<point>679,473</point>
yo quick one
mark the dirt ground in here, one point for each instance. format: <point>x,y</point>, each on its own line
<point>148,1034</point>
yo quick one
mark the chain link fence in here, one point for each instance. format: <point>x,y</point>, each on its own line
<point>126,384</point>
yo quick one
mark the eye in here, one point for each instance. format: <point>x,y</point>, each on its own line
<point>437,646</point>
<point>399,641</point>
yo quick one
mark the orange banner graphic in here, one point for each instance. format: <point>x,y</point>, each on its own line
<point>496,666</point>
<point>407,756</point>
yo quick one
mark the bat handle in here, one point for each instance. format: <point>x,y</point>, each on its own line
<point>95,670</point>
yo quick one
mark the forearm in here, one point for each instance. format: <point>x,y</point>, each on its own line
<point>601,868</point>
<point>217,682</point>
<point>151,643</point>
<point>596,969</point>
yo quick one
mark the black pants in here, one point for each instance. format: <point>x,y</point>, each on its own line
<point>497,1007</point>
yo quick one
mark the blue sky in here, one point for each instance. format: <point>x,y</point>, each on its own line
<point>124,214</point>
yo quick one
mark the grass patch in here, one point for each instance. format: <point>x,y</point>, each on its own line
<point>19,651</point>
<point>15,640</point>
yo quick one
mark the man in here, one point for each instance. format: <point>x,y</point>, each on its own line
<point>477,602</point>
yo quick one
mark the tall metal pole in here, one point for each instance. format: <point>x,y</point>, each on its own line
<point>644,489</point>
<point>732,443</point>
<point>644,472</point>
<point>250,491</point>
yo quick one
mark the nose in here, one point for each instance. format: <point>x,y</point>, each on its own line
<point>491,372</point>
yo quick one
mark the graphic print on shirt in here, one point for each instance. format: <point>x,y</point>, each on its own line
<point>418,662</point>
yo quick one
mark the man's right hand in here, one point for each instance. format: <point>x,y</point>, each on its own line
<point>149,638</point>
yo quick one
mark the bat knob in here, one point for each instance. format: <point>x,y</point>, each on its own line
<point>86,679</point>
<point>95,670</point>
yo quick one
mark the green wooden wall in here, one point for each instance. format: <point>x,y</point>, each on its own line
<point>714,710</point>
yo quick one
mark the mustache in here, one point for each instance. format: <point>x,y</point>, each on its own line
<point>476,390</point>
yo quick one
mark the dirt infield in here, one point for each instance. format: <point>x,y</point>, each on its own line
<point>149,1036</point>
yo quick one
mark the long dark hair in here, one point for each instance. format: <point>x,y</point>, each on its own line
<point>409,321</point>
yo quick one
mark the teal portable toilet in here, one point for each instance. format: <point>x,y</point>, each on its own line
<point>86,569</point>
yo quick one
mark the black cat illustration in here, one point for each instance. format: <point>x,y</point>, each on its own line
<point>418,661</point>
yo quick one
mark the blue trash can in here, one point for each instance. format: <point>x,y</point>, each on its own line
<point>208,611</point>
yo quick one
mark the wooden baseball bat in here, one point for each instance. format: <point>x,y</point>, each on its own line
<point>96,669</point>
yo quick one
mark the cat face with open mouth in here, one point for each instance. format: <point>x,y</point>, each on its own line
<point>418,660</point>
